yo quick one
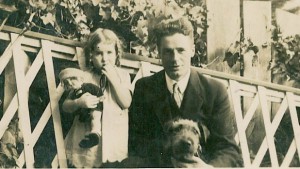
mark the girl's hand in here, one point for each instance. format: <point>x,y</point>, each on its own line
<point>110,72</point>
<point>101,98</point>
<point>87,100</point>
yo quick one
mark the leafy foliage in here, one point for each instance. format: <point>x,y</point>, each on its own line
<point>131,19</point>
<point>234,52</point>
<point>10,145</point>
<point>286,57</point>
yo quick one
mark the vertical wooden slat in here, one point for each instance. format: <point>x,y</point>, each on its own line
<point>13,105</point>
<point>223,18</point>
<point>143,71</point>
<point>294,118</point>
<point>6,56</point>
<point>240,121</point>
<point>276,121</point>
<point>23,110</point>
<point>146,67</point>
<point>41,125</point>
<point>80,57</point>
<point>250,113</point>
<point>46,47</point>
<point>257,21</point>
<point>268,126</point>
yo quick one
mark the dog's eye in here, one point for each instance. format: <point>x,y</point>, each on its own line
<point>195,131</point>
<point>177,129</point>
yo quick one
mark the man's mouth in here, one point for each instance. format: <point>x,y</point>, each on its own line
<point>175,67</point>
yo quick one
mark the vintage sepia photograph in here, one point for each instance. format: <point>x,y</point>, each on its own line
<point>149,84</point>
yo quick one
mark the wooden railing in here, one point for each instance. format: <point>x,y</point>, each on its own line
<point>14,60</point>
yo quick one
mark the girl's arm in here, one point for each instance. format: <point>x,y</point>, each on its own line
<point>119,89</point>
<point>85,101</point>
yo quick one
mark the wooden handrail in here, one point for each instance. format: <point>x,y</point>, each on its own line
<point>37,35</point>
<point>135,57</point>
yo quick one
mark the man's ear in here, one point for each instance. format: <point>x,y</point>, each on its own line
<point>193,51</point>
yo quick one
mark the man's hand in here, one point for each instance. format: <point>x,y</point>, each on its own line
<point>87,100</point>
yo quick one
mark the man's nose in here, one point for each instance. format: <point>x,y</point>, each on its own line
<point>175,55</point>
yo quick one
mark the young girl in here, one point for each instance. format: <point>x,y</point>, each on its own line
<point>103,51</point>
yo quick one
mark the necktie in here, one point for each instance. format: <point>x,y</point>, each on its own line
<point>177,94</point>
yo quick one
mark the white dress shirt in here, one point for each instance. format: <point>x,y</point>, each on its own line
<point>182,84</point>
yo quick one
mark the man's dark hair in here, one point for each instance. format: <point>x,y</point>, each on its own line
<point>169,27</point>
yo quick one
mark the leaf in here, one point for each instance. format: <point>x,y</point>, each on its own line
<point>254,60</point>
<point>272,64</point>
<point>255,49</point>
<point>48,18</point>
<point>231,58</point>
<point>80,18</point>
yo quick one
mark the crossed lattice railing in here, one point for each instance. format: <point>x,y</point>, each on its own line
<point>250,98</point>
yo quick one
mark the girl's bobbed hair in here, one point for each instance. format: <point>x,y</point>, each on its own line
<point>101,35</point>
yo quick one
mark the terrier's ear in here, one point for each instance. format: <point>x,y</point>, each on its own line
<point>168,127</point>
<point>204,132</point>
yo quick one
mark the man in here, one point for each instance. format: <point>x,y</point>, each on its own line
<point>198,98</point>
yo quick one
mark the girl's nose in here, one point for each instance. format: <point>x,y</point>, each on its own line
<point>105,58</point>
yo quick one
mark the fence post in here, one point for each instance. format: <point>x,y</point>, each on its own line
<point>60,145</point>
<point>23,110</point>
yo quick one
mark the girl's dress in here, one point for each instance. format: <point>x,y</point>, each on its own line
<point>113,144</point>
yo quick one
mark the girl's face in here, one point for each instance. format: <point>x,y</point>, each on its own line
<point>104,53</point>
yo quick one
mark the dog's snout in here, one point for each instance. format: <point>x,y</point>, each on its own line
<point>186,143</point>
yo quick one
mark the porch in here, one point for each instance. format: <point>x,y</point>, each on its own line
<point>259,106</point>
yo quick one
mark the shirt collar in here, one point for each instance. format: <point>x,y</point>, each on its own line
<point>182,84</point>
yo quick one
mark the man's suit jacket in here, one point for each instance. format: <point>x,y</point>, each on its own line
<point>205,100</point>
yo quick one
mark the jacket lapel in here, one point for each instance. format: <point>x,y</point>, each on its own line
<point>162,109</point>
<point>193,97</point>
<point>192,100</point>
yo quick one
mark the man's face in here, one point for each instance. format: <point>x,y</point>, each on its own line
<point>176,51</point>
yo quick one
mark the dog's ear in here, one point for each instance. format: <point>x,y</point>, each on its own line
<point>168,127</point>
<point>204,133</point>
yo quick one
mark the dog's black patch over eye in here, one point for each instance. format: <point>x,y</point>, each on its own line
<point>195,131</point>
<point>177,129</point>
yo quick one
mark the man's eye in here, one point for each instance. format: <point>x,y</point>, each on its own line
<point>180,50</point>
<point>166,51</point>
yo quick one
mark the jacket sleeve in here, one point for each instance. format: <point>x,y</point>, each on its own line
<point>136,138</point>
<point>223,149</point>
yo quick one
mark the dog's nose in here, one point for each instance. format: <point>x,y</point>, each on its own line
<point>186,143</point>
